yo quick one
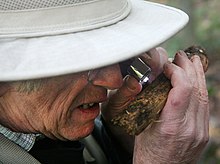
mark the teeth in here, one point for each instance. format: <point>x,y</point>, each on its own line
<point>86,106</point>
<point>91,104</point>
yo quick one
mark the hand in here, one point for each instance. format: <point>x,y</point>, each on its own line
<point>118,100</point>
<point>182,132</point>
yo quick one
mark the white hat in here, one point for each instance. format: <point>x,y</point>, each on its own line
<point>55,37</point>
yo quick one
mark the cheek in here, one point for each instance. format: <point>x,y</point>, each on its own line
<point>66,129</point>
<point>59,95</point>
<point>58,118</point>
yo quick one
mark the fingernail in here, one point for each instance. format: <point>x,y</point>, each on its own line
<point>182,53</point>
<point>165,67</point>
<point>167,64</point>
<point>131,82</point>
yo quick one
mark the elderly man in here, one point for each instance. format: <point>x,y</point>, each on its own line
<point>59,60</point>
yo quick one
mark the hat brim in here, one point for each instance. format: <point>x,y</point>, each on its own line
<point>148,25</point>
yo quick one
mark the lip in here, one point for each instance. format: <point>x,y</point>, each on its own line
<point>96,102</point>
<point>91,113</point>
<point>95,95</point>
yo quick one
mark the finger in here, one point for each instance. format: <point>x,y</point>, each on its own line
<point>183,61</point>
<point>201,78</point>
<point>128,91</point>
<point>158,58</point>
<point>179,96</point>
<point>203,109</point>
<point>121,98</point>
<point>194,71</point>
<point>155,58</point>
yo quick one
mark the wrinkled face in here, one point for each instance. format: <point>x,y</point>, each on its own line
<point>61,107</point>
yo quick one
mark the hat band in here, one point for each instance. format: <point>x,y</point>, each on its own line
<point>63,19</point>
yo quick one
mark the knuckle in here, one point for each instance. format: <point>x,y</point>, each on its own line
<point>162,51</point>
<point>183,97</point>
<point>203,97</point>
<point>205,139</point>
<point>202,140</point>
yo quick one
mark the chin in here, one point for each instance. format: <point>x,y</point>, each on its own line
<point>82,132</point>
<point>86,132</point>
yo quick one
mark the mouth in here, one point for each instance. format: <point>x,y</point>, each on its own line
<point>88,106</point>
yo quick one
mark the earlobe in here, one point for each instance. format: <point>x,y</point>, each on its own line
<point>4,87</point>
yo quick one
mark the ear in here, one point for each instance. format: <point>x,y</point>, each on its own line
<point>4,87</point>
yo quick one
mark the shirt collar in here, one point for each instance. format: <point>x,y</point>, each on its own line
<point>26,141</point>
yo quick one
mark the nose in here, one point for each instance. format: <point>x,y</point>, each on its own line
<point>109,77</point>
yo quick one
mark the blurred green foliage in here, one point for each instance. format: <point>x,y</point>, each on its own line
<point>207,28</point>
<point>203,28</point>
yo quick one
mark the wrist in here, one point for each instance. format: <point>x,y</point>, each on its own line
<point>161,153</point>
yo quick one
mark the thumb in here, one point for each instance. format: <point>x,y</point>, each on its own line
<point>120,99</point>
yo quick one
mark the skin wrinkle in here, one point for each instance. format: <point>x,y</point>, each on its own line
<point>74,98</point>
<point>174,126</point>
<point>7,106</point>
<point>40,106</point>
<point>50,129</point>
<point>107,75</point>
<point>123,98</point>
<point>30,87</point>
<point>64,112</point>
<point>29,122</point>
<point>46,130</point>
<point>53,100</point>
<point>179,58</point>
<point>186,131</point>
<point>162,156</point>
<point>202,98</point>
<point>184,136</point>
<point>124,104</point>
<point>202,136</point>
<point>175,107</point>
<point>60,118</point>
<point>193,101</point>
<point>63,115</point>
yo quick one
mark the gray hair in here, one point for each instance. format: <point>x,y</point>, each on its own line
<point>29,86</point>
